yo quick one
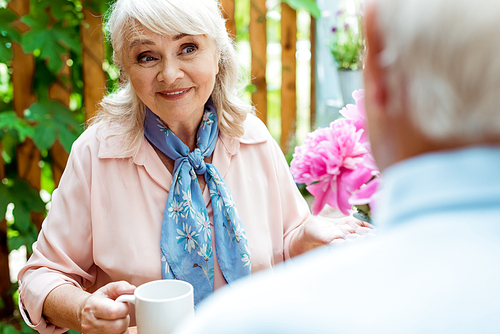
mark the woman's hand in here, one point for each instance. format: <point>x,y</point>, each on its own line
<point>70,307</point>
<point>330,226</point>
<point>100,313</point>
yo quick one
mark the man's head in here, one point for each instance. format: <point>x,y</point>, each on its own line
<point>432,75</point>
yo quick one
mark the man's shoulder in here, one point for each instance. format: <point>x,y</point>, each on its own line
<point>397,282</point>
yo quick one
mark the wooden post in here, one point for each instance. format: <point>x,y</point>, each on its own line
<point>288,75</point>
<point>258,43</point>
<point>228,12</point>
<point>94,79</point>
<point>61,93</point>
<point>312,120</point>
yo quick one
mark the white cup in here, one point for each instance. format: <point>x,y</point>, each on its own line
<point>161,306</point>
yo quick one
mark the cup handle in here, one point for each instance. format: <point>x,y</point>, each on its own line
<point>126,298</point>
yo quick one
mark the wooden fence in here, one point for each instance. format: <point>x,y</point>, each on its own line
<point>23,65</point>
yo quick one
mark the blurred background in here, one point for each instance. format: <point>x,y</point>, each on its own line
<point>301,61</point>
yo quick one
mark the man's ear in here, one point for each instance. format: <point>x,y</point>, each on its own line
<point>374,72</point>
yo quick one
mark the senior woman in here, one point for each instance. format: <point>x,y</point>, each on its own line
<point>176,178</point>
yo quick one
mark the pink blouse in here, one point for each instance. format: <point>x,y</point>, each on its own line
<point>105,218</point>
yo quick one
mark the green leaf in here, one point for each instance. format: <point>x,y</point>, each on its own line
<point>47,43</point>
<point>6,17</point>
<point>7,34</point>
<point>96,6</point>
<point>10,121</point>
<point>54,121</point>
<point>308,5</point>
<point>4,200</point>
<point>67,36</point>
<point>52,42</point>
<point>25,238</point>
<point>72,332</point>
<point>63,9</point>
<point>43,79</point>
<point>25,199</point>
<point>37,18</point>
<point>44,136</point>
<point>11,34</point>
<point>5,52</point>
<point>9,330</point>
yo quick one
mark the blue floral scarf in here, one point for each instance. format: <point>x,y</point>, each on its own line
<point>186,237</point>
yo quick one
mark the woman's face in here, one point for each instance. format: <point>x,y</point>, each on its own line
<point>173,75</point>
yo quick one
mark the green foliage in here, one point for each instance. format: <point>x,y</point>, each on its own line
<point>347,43</point>
<point>7,34</point>
<point>26,200</point>
<point>309,6</point>
<point>52,36</point>
<point>52,39</point>
<point>10,122</point>
<point>9,329</point>
<point>53,121</point>
<point>363,213</point>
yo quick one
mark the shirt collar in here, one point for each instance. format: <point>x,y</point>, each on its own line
<point>438,182</point>
<point>255,132</point>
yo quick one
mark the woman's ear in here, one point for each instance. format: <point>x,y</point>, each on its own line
<point>375,80</point>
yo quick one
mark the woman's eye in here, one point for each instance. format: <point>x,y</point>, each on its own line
<point>189,49</point>
<point>145,58</point>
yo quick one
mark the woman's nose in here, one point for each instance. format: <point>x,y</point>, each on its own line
<point>170,72</point>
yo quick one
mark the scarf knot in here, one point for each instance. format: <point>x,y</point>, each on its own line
<point>196,160</point>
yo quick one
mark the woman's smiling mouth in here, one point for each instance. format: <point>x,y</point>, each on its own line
<point>174,95</point>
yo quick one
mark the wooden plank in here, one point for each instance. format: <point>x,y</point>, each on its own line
<point>312,120</point>
<point>258,43</point>
<point>228,12</point>
<point>61,93</point>
<point>288,75</point>
<point>94,79</point>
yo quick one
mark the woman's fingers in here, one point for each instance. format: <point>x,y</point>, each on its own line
<point>106,326</point>
<point>363,230</point>
<point>101,314</point>
<point>107,309</point>
<point>347,228</point>
<point>115,289</point>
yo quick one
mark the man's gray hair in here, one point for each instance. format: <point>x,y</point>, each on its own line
<point>445,54</point>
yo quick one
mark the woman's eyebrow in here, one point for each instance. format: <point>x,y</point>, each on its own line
<point>180,36</point>
<point>141,42</point>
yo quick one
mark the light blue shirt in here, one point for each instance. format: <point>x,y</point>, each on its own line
<point>433,266</point>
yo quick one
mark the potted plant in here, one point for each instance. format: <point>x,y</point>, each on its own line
<point>347,46</point>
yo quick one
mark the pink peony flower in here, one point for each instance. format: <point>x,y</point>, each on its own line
<point>357,113</point>
<point>336,162</point>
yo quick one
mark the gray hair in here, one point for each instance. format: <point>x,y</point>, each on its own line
<point>123,109</point>
<point>445,55</point>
